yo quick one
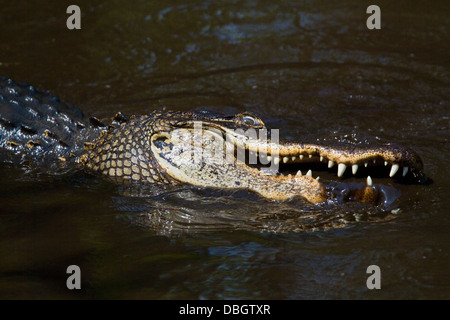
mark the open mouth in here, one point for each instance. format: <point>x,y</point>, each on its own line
<point>279,171</point>
<point>342,161</point>
<point>308,164</point>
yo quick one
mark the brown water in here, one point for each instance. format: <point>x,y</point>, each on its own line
<point>304,67</point>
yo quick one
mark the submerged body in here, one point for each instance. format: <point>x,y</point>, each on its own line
<point>198,148</point>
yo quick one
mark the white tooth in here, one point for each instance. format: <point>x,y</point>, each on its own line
<point>310,156</point>
<point>301,157</point>
<point>366,164</point>
<point>309,173</point>
<point>394,170</point>
<point>293,158</point>
<point>354,168</point>
<point>321,158</point>
<point>317,178</point>
<point>285,159</point>
<point>374,161</point>
<point>299,173</point>
<point>269,158</point>
<point>405,171</point>
<point>341,169</point>
<point>369,181</point>
<point>330,164</point>
<point>289,175</point>
<point>385,163</point>
<point>276,160</point>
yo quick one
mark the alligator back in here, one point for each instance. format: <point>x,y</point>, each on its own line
<point>37,126</point>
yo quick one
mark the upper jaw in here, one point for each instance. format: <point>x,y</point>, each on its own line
<point>345,157</point>
<point>396,161</point>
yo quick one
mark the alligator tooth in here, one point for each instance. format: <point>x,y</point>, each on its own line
<point>299,173</point>
<point>310,156</point>
<point>394,170</point>
<point>276,160</point>
<point>405,171</point>
<point>366,164</point>
<point>301,157</point>
<point>385,163</point>
<point>317,178</point>
<point>354,168</point>
<point>289,175</point>
<point>341,169</point>
<point>330,164</point>
<point>285,159</point>
<point>321,158</point>
<point>293,158</point>
<point>369,181</point>
<point>269,158</point>
<point>309,173</point>
<point>374,161</point>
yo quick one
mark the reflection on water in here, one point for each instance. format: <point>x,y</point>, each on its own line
<point>303,67</point>
<point>194,211</point>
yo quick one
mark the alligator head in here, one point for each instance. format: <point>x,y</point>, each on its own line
<point>209,150</point>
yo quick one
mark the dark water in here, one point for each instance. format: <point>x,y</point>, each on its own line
<point>304,67</point>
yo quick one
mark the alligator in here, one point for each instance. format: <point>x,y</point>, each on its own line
<point>199,148</point>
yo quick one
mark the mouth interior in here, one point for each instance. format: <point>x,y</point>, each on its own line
<point>285,164</point>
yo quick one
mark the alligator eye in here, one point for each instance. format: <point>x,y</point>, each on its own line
<point>249,120</point>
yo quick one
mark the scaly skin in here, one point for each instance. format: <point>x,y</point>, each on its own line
<point>161,148</point>
<point>134,151</point>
